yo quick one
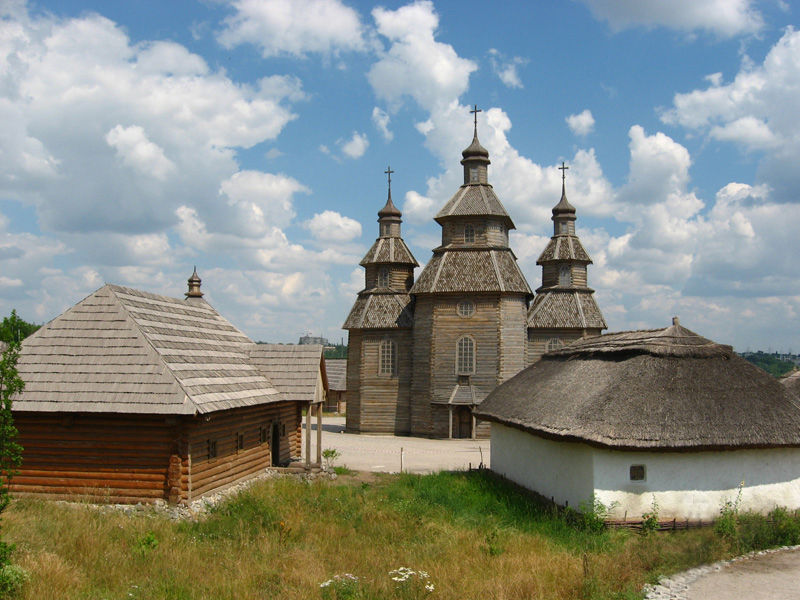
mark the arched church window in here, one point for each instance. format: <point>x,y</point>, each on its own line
<point>465,308</point>
<point>564,276</point>
<point>554,344</point>
<point>473,175</point>
<point>469,234</point>
<point>563,227</point>
<point>384,229</point>
<point>388,358</point>
<point>383,277</point>
<point>465,355</point>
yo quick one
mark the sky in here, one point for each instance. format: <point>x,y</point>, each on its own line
<point>249,138</point>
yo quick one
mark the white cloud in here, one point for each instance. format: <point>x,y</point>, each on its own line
<point>356,146</point>
<point>330,226</point>
<point>756,111</point>
<point>294,27</point>
<point>138,152</point>
<point>506,69</point>
<point>581,123</point>
<point>87,113</point>
<point>260,201</point>
<point>381,120</point>
<point>724,18</point>
<point>415,64</point>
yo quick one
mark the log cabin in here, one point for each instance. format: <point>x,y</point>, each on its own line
<point>336,368</point>
<point>135,397</point>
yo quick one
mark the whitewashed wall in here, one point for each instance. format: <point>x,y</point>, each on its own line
<point>686,485</point>
<point>694,485</point>
<point>554,469</point>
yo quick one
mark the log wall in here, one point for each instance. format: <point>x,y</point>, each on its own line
<point>538,338</point>
<point>353,392</point>
<point>141,458</point>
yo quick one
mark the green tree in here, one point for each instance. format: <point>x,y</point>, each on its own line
<point>14,329</point>
<point>11,384</point>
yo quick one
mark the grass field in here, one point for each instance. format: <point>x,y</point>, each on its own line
<point>466,535</point>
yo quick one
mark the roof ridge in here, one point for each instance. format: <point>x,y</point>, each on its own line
<point>580,308</point>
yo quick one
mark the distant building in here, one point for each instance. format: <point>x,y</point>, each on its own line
<point>637,417</point>
<point>337,384</point>
<point>309,340</point>
<point>422,355</point>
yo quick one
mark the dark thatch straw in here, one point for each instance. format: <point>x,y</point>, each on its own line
<point>667,389</point>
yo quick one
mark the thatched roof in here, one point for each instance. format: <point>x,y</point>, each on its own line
<point>125,351</point>
<point>337,374</point>
<point>380,310</point>
<point>296,370</point>
<point>387,250</point>
<point>474,200</point>
<point>565,308</point>
<point>471,270</point>
<point>564,247</point>
<point>667,389</point>
<point>792,382</point>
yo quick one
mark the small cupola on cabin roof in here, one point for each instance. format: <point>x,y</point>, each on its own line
<point>389,213</point>
<point>563,210</point>
<point>194,286</point>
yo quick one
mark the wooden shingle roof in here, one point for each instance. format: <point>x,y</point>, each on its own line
<point>295,369</point>
<point>667,389</point>
<point>471,270</point>
<point>565,308</point>
<point>564,247</point>
<point>389,250</point>
<point>375,310</point>
<point>474,199</point>
<point>337,374</point>
<point>121,350</point>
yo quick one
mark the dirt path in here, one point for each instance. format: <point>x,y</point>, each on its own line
<point>774,576</point>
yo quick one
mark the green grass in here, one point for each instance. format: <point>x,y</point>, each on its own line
<point>474,536</point>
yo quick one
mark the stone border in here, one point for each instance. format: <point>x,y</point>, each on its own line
<point>676,586</point>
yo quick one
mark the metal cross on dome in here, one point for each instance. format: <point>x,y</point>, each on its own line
<point>475,112</point>
<point>389,172</point>
<point>563,169</point>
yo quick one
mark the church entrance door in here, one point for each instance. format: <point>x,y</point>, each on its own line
<point>462,423</point>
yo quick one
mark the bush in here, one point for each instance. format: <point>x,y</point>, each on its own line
<point>12,578</point>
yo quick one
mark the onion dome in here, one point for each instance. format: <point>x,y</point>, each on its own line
<point>194,286</point>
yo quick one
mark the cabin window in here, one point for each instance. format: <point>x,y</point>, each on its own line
<point>469,234</point>
<point>388,358</point>
<point>383,277</point>
<point>465,355</point>
<point>473,175</point>
<point>563,227</point>
<point>466,308</point>
<point>564,276</point>
<point>638,473</point>
<point>554,344</point>
<point>211,448</point>
<point>384,229</point>
<point>263,434</point>
<point>239,442</point>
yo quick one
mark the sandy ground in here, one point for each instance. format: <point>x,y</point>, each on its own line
<point>383,453</point>
<point>773,576</point>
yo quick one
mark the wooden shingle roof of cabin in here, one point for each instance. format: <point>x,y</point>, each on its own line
<point>295,369</point>
<point>337,374</point>
<point>564,247</point>
<point>665,389</point>
<point>121,350</point>
<point>567,308</point>
<point>377,310</point>
<point>471,270</point>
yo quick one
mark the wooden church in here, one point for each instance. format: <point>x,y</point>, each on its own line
<point>423,355</point>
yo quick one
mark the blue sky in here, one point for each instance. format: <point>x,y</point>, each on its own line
<point>249,138</point>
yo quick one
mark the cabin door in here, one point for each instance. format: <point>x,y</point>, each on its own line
<point>462,423</point>
<point>275,444</point>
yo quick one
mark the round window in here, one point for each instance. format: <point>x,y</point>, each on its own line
<point>466,308</point>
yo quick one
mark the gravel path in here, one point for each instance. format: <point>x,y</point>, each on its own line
<point>766,575</point>
<point>381,453</point>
